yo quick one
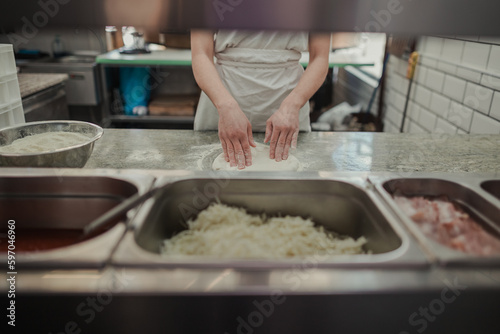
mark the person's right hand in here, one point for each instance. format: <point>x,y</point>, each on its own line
<point>235,134</point>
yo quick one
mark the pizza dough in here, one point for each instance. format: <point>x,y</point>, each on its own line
<point>260,162</point>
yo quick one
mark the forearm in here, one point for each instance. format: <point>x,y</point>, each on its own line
<point>310,82</point>
<point>314,75</point>
<point>209,81</point>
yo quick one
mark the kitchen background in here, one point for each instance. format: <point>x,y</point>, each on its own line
<point>456,88</point>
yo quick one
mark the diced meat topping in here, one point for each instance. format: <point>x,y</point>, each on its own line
<point>446,223</point>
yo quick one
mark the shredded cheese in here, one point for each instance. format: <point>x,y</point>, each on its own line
<point>227,232</point>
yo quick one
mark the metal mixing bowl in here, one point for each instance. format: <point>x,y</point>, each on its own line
<point>71,156</point>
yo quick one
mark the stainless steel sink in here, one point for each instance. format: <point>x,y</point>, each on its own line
<point>340,206</point>
<point>51,211</point>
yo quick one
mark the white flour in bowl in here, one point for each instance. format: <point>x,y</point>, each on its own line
<point>44,142</point>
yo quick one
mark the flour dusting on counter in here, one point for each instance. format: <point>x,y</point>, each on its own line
<point>203,153</point>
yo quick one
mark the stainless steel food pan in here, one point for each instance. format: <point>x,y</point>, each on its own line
<point>340,206</point>
<point>492,187</point>
<point>50,211</point>
<point>463,190</point>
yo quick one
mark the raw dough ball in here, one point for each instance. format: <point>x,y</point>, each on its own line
<point>260,162</point>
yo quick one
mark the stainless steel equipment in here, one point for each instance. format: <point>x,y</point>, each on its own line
<point>49,104</point>
<point>492,187</point>
<point>468,194</point>
<point>271,296</point>
<point>340,206</point>
<point>50,212</point>
<point>71,156</point>
<point>82,86</point>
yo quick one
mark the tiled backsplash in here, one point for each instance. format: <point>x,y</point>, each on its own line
<point>456,88</point>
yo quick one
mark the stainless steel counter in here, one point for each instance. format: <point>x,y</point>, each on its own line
<point>407,291</point>
<point>32,83</point>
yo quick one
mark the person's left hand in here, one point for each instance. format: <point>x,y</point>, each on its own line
<point>282,130</point>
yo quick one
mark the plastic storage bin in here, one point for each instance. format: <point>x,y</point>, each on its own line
<point>11,108</point>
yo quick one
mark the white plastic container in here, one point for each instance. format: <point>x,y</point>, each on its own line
<point>7,60</point>
<point>11,107</point>
<point>11,114</point>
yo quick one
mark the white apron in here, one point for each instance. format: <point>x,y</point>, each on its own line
<point>259,69</point>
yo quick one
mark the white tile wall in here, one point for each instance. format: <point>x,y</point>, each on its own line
<point>433,46</point>
<point>456,88</point>
<point>434,80</point>
<point>399,101</point>
<point>420,73</point>
<point>476,55</point>
<point>490,39</point>
<point>468,74</point>
<point>395,115</point>
<point>446,67</point>
<point>494,62</point>
<point>470,38</point>
<point>439,104</point>
<point>495,107</point>
<point>483,124</point>
<point>422,95</point>
<point>460,115</point>
<point>427,119</point>
<point>429,62</point>
<point>478,97</point>
<point>443,126</point>
<point>415,128</point>
<point>413,111</point>
<point>491,81</point>
<point>452,50</point>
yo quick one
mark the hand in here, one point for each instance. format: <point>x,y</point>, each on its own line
<point>235,134</point>
<point>282,130</point>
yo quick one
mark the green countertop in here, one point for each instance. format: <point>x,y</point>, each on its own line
<point>182,57</point>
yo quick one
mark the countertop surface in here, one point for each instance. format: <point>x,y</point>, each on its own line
<point>318,151</point>
<point>31,83</point>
